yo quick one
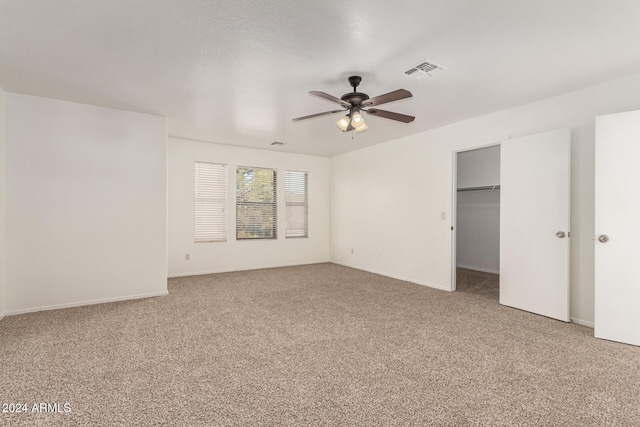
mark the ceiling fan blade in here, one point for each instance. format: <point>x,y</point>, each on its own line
<point>326,113</point>
<point>387,97</point>
<point>390,115</point>
<point>330,98</point>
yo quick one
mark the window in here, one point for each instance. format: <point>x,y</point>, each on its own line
<point>256,210</point>
<point>211,202</point>
<point>296,191</point>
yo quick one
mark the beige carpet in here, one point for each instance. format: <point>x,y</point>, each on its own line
<point>313,345</point>
<point>484,285</point>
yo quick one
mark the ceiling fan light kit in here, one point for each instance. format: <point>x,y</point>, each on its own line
<point>357,121</point>
<point>343,123</point>
<point>356,102</point>
<point>361,128</point>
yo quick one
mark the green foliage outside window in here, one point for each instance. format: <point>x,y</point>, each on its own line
<point>256,209</point>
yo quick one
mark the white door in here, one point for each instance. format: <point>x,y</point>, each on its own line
<point>534,223</point>
<point>617,223</point>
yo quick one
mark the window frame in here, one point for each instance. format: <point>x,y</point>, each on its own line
<point>290,203</point>
<point>202,207</point>
<point>272,218</point>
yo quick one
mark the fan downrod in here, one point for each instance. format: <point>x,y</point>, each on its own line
<point>354,81</point>
<point>355,98</point>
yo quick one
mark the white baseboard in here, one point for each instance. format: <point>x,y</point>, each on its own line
<point>393,276</point>
<point>231,270</point>
<point>583,322</point>
<point>81,303</point>
<point>483,270</point>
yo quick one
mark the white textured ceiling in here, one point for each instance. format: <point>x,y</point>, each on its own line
<point>237,72</point>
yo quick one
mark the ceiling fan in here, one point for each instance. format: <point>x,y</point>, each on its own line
<point>356,102</point>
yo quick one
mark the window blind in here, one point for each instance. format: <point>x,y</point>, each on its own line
<point>211,202</point>
<point>296,186</point>
<point>256,208</point>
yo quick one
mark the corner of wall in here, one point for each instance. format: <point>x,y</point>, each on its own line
<point>3,157</point>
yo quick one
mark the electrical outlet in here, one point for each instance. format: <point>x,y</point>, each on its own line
<point>187,257</point>
<point>352,251</point>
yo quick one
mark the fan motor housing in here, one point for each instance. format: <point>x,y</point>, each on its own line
<point>355,98</point>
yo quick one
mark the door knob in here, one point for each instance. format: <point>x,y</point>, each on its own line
<point>603,238</point>
<point>561,234</point>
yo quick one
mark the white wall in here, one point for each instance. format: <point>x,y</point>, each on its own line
<point>478,230</point>
<point>478,212</point>
<point>86,204</point>
<point>233,255</point>
<point>387,199</point>
<point>3,168</point>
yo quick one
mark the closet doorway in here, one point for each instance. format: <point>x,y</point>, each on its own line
<point>530,246</point>
<point>477,222</point>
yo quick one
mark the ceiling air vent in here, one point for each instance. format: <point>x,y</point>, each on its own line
<point>424,68</point>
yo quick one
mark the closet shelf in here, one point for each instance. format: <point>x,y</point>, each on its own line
<point>486,187</point>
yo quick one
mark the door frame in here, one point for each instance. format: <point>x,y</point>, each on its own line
<point>454,199</point>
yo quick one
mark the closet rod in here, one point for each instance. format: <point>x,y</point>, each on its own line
<point>486,187</point>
